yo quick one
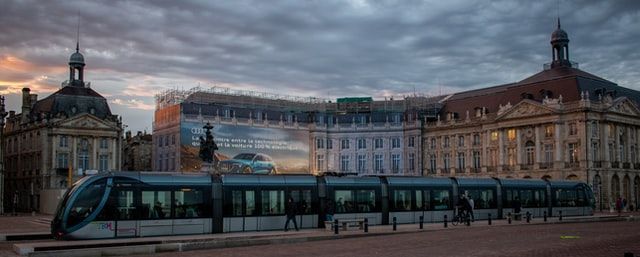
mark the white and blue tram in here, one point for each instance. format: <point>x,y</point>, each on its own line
<point>140,204</point>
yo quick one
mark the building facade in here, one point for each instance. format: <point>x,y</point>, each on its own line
<point>302,135</point>
<point>561,123</point>
<point>56,140</point>
<point>136,152</point>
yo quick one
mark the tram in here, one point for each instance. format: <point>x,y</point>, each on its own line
<point>142,204</point>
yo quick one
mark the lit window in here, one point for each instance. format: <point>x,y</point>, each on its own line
<point>511,134</point>
<point>548,131</point>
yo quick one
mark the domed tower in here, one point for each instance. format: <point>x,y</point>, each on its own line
<point>560,48</point>
<point>76,67</point>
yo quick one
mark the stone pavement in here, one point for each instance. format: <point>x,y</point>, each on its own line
<point>275,238</point>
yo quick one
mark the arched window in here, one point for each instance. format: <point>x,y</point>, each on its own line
<point>615,187</point>
<point>626,186</point>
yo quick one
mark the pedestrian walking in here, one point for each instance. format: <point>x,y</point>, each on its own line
<point>329,210</point>
<point>290,211</point>
<point>471,207</point>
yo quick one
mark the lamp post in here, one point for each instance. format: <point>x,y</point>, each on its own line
<point>3,114</point>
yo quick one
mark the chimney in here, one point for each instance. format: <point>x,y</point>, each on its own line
<point>34,99</point>
<point>26,104</point>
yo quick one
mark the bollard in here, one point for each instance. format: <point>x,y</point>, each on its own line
<point>545,216</point>
<point>445,220</point>
<point>421,221</point>
<point>395,224</point>
<point>468,221</point>
<point>489,219</point>
<point>528,217</point>
<point>509,218</point>
<point>366,225</point>
<point>335,227</point>
<point>560,215</point>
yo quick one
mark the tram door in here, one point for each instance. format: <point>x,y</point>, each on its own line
<point>304,215</point>
<point>126,224</point>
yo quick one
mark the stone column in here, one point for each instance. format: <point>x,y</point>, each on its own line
<point>501,152</point>
<point>605,144</point>
<point>519,151</point>
<point>94,158</point>
<point>114,149</point>
<point>558,147</point>
<point>483,155</point>
<point>537,160</point>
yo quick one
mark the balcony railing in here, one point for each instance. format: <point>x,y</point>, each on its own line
<point>636,166</point>
<point>615,165</point>
<point>626,165</point>
<point>571,165</point>
<point>597,164</point>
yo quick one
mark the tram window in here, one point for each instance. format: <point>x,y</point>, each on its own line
<point>156,204</point>
<point>565,198</point>
<point>402,200</point>
<point>120,206</point>
<point>440,200</point>
<point>303,199</point>
<point>86,202</point>
<point>581,202</point>
<point>482,199</point>
<point>526,199</point>
<point>421,204</point>
<point>188,203</point>
<point>273,202</point>
<point>366,200</point>
<point>344,201</point>
<point>250,201</point>
<point>127,210</point>
<point>236,203</point>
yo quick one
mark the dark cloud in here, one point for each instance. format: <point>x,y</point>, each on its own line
<point>319,48</point>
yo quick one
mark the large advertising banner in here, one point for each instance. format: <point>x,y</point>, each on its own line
<point>247,149</point>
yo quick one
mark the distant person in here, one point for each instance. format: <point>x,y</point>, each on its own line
<point>619,205</point>
<point>471,207</point>
<point>290,211</point>
<point>329,210</point>
<point>340,205</point>
<point>624,203</point>
<point>157,210</point>
<point>517,206</point>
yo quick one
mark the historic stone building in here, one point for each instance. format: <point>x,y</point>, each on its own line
<point>67,134</point>
<point>137,152</point>
<point>561,123</point>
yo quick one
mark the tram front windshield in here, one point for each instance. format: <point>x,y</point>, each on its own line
<point>85,203</point>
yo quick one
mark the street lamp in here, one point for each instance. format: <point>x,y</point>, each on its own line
<point>3,114</point>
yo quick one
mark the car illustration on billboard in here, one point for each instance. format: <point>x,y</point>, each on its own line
<point>256,163</point>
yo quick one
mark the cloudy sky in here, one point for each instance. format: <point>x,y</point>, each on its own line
<point>319,48</point>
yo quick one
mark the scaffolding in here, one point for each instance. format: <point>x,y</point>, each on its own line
<point>228,95</point>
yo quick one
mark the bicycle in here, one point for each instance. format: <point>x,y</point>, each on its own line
<point>462,216</point>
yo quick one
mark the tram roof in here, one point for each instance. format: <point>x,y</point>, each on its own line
<point>252,179</point>
<point>524,183</point>
<point>418,181</point>
<point>481,182</point>
<point>167,178</point>
<point>565,183</point>
<point>352,180</point>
